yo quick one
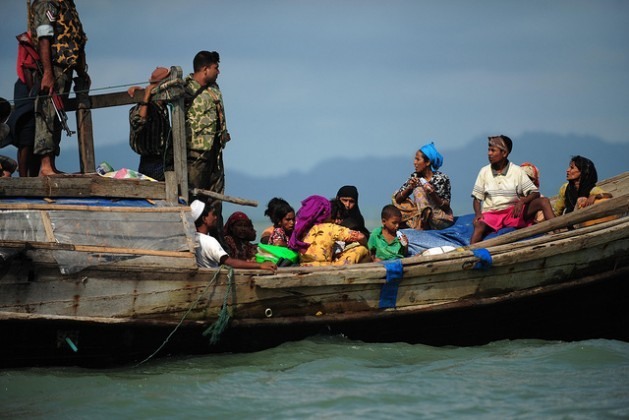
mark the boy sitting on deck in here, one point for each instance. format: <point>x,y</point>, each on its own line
<point>210,253</point>
<point>384,242</point>
<point>504,195</point>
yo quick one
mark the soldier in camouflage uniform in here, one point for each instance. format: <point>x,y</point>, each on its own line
<point>206,130</point>
<point>60,40</point>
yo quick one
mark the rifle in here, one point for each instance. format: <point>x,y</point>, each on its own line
<point>57,104</point>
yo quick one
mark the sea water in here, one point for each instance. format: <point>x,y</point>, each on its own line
<point>332,377</point>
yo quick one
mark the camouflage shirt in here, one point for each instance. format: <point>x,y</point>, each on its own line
<point>205,116</point>
<point>59,20</point>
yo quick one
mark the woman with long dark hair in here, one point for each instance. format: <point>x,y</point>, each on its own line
<point>580,190</point>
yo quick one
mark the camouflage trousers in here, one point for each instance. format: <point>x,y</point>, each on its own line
<point>206,172</point>
<point>47,127</point>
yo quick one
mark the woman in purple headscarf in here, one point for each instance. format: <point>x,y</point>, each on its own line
<point>424,198</point>
<point>314,236</point>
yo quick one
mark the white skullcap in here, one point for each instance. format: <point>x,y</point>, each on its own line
<point>196,208</point>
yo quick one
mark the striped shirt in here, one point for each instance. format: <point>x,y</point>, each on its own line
<point>150,136</point>
<point>498,191</point>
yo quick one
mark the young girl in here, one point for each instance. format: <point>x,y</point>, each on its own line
<point>283,217</point>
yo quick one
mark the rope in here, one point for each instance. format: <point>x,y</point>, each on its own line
<point>192,306</point>
<point>216,329</point>
<point>12,101</point>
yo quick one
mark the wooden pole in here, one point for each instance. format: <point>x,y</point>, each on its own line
<point>84,126</point>
<point>221,197</point>
<point>179,139</point>
<point>618,205</point>
<point>85,135</point>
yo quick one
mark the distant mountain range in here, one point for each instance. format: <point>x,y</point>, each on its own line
<point>378,177</point>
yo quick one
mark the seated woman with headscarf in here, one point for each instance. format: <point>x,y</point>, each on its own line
<point>238,234</point>
<point>315,234</point>
<point>348,195</point>
<point>424,198</point>
<point>580,191</point>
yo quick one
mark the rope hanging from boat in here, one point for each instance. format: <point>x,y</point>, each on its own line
<point>216,329</point>
<point>192,306</point>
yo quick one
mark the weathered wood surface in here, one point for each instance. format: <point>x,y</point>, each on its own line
<point>452,262</point>
<point>614,206</point>
<point>166,294</point>
<point>85,134</point>
<point>86,208</point>
<point>106,100</point>
<point>221,197</point>
<point>95,249</point>
<point>81,186</point>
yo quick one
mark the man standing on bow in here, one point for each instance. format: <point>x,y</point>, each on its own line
<point>60,40</point>
<point>206,129</point>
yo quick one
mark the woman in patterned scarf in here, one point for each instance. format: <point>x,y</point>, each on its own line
<point>424,198</point>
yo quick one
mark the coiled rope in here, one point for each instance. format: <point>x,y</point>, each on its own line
<point>221,322</point>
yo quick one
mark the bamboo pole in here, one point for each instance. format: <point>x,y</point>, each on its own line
<point>613,206</point>
<point>221,197</point>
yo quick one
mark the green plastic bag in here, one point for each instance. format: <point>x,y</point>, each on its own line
<point>274,253</point>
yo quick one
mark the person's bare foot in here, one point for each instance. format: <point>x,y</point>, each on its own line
<point>43,172</point>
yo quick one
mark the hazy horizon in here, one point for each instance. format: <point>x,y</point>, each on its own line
<point>304,82</point>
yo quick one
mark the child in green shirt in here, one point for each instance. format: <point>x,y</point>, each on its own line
<point>385,242</point>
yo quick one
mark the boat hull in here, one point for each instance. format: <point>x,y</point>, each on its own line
<point>590,310</point>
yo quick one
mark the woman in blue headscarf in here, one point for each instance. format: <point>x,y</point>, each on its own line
<point>424,199</point>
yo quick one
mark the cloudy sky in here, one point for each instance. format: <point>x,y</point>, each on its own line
<point>305,81</point>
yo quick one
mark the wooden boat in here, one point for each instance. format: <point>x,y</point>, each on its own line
<point>92,282</point>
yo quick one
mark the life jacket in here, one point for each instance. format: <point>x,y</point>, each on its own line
<point>27,55</point>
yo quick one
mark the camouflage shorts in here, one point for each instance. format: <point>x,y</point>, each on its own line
<point>47,127</point>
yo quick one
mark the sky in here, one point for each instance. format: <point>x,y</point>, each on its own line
<point>306,81</point>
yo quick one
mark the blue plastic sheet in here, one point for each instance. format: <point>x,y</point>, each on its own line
<point>484,259</point>
<point>388,293</point>
<point>457,235</point>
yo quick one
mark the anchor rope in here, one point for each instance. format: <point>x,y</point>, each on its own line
<point>216,329</point>
<point>192,306</point>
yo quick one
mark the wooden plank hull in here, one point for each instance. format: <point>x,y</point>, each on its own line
<point>561,286</point>
<point>597,309</point>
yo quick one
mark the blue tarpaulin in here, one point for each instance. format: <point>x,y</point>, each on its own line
<point>457,235</point>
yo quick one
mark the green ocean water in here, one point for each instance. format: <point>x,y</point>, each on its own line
<point>332,377</point>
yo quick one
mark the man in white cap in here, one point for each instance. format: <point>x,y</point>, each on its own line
<point>210,253</point>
